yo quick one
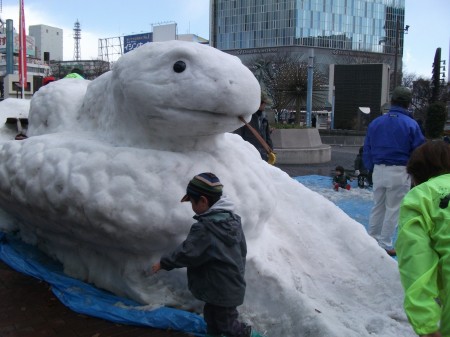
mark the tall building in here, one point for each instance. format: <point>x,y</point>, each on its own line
<point>334,31</point>
<point>353,25</point>
<point>49,42</point>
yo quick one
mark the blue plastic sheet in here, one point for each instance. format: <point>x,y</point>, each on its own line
<point>87,299</point>
<point>356,203</point>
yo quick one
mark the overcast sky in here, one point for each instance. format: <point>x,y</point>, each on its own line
<point>428,20</point>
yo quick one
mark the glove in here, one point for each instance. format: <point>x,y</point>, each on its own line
<point>357,172</point>
<point>272,158</point>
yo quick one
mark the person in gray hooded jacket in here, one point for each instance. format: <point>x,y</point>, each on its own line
<point>214,253</point>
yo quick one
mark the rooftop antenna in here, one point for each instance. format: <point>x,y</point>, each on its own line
<point>77,38</point>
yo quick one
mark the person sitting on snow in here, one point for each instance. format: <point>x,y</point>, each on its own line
<point>341,179</point>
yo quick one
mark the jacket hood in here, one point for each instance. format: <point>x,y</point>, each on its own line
<point>222,222</point>
<point>224,203</point>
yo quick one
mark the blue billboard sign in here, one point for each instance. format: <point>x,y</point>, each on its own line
<point>131,42</point>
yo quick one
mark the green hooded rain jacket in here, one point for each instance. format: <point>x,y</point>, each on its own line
<point>423,251</point>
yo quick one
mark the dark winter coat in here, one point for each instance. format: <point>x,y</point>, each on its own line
<point>260,124</point>
<point>359,165</point>
<point>214,253</point>
<point>342,180</point>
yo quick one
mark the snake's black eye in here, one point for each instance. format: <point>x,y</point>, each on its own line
<point>179,66</point>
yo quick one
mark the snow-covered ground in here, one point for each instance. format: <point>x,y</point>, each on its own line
<point>98,183</point>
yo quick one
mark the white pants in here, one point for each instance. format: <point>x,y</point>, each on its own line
<point>390,185</point>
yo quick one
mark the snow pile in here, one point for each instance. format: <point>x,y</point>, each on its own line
<point>98,186</point>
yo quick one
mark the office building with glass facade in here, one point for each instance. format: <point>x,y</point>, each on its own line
<point>356,25</point>
<point>337,31</point>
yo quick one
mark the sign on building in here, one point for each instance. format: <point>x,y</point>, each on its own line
<point>30,44</point>
<point>131,42</point>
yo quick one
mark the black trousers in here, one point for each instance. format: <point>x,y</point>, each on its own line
<point>224,321</point>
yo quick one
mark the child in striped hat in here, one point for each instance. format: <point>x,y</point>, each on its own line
<point>214,253</point>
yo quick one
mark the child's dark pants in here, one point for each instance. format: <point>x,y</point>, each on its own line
<point>224,321</point>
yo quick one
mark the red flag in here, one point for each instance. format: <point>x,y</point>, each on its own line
<point>22,49</point>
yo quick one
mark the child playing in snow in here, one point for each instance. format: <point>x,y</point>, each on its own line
<point>214,253</point>
<point>341,179</point>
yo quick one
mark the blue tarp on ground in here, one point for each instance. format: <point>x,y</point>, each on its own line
<point>87,299</point>
<point>356,203</point>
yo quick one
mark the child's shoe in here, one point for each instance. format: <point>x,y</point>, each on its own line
<point>347,187</point>
<point>248,331</point>
<point>361,181</point>
<point>336,187</point>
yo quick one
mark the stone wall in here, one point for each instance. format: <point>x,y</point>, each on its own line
<point>300,146</point>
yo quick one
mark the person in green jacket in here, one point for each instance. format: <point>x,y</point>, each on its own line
<point>423,244</point>
<point>75,73</point>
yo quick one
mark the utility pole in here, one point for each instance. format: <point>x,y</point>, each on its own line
<point>309,88</point>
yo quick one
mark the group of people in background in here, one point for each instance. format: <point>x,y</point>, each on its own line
<point>411,189</point>
<point>411,194</point>
<point>74,73</point>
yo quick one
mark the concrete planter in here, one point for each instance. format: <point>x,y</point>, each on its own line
<point>300,146</point>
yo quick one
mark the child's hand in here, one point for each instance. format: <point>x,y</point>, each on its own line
<point>156,267</point>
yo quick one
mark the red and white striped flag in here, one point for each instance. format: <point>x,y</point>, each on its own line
<point>22,50</point>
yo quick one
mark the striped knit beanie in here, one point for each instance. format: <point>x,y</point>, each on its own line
<point>203,184</point>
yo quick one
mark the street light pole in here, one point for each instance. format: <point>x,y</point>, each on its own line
<point>396,51</point>
<point>397,32</point>
<point>309,88</point>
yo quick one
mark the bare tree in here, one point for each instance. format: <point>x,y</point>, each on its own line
<point>97,68</point>
<point>409,79</point>
<point>285,78</point>
<point>421,91</point>
<point>289,87</point>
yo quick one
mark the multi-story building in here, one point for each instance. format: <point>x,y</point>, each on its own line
<point>367,26</point>
<point>37,68</point>
<point>334,31</point>
<point>49,42</point>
